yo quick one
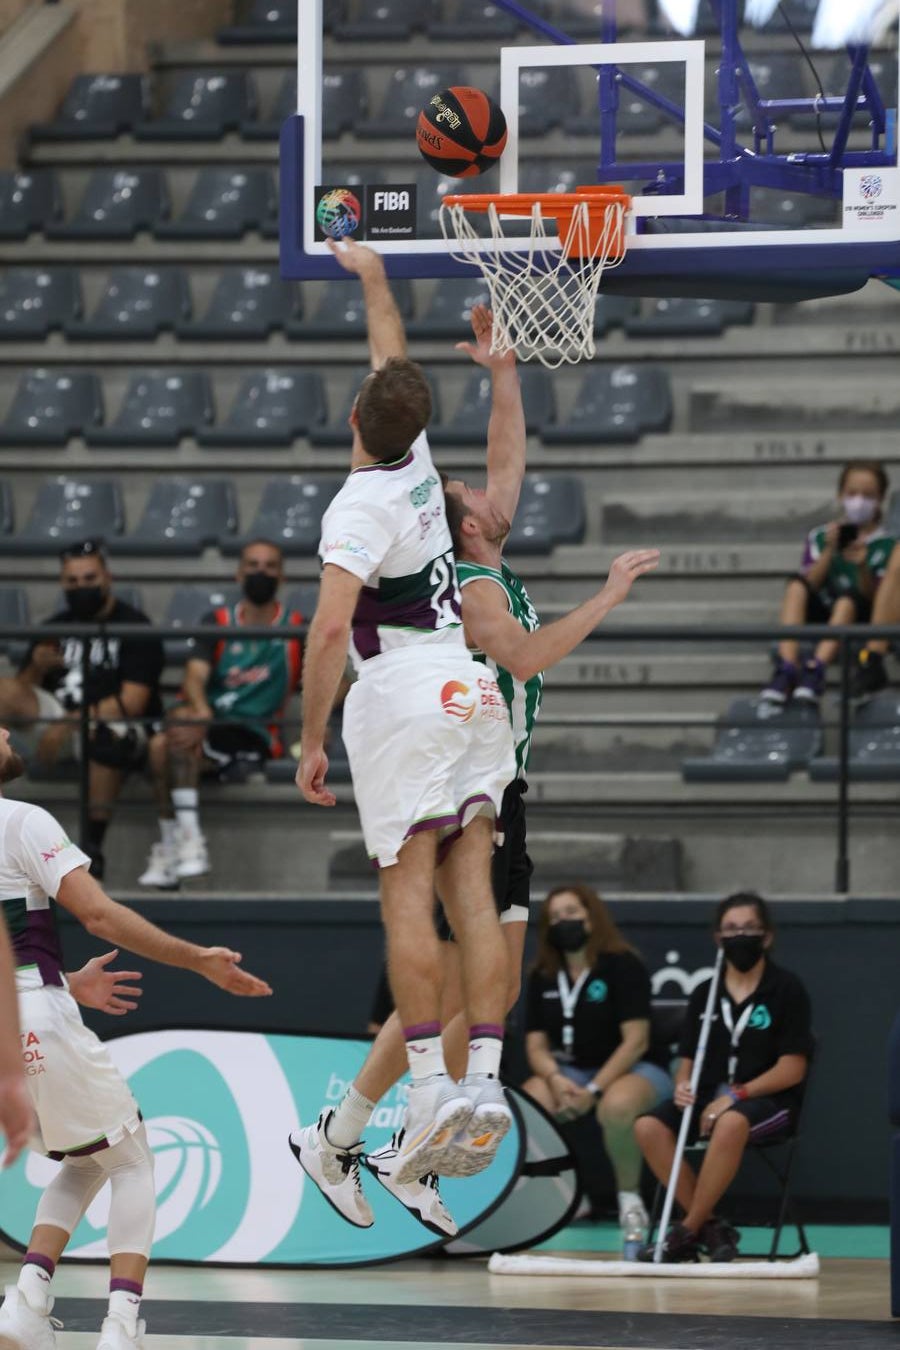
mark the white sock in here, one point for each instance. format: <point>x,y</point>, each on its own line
<point>349,1119</point>
<point>168,831</point>
<point>485,1050</point>
<point>34,1286</point>
<point>186,803</point>
<point>125,1305</point>
<point>424,1052</point>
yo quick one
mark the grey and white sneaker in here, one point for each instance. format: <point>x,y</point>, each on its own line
<point>474,1146</point>
<point>114,1335</point>
<point>193,856</point>
<point>162,867</point>
<point>23,1325</point>
<point>421,1197</point>
<point>436,1109</point>
<point>334,1170</point>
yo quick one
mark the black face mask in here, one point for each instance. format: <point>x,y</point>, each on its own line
<point>568,935</point>
<point>743,950</point>
<point>260,587</point>
<point>86,602</point>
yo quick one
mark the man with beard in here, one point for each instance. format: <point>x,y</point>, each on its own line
<point>44,699</point>
<point>87,1117</point>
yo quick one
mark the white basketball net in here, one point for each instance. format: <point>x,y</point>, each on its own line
<point>543,290</point>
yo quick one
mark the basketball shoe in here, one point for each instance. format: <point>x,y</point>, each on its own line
<point>475,1144</point>
<point>421,1197</point>
<point>26,1326</point>
<point>114,1335</point>
<point>193,856</point>
<point>334,1170</point>
<point>436,1109</point>
<point>162,867</point>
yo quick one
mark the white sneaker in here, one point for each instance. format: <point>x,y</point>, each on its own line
<point>162,867</point>
<point>633,1210</point>
<point>421,1197</point>
<point>435,1110</point>
<point>25,1327</point>
<point>193,858</point>
<point>334,1170</point>
<point>114,1335</point>
<point>475,1145</point>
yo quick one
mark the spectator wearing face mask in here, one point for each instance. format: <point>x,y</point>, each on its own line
<point>233,698</point>
<point>588,1031</point>
<point>842,568</point>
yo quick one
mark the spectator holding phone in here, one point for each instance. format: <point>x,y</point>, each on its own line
<point>843,564</point>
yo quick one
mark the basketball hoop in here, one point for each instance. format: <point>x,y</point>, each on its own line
<point>543,288</point>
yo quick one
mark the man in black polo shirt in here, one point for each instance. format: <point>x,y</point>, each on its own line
<point>42,701</point>
<point>751,1082</point>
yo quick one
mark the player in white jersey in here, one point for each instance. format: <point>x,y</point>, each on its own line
<point>425,727</point>
<point>16,1115</point>
<point>87,1117</point>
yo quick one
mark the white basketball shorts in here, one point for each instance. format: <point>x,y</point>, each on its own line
<point>430,746</point>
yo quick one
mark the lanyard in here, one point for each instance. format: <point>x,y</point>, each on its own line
<point>568,997</point>
<point>736,1033</point>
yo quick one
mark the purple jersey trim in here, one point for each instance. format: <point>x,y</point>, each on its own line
<point>391,467</point>
<point>38,945</point>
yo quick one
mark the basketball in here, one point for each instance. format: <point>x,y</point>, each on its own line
<point>461,132</point>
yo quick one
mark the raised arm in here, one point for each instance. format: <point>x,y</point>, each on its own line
<point>506,429</point>
<point>387,336</point>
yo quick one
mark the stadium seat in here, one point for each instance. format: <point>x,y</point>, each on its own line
<point>97,107</point>
<point>776,75</point>
<point>874,748</point>
<point>35,300</point>
<point>159,408</point>
<point>116,204</point>
<point>551,511</point>
<point>224,204</point>
<point>409,89</point>
<point>636,115</point>
<point>271,407</point>
<point>28,202</point>
<point>471,21</point>
<point>884,68</point>
<point>341,313</point>
<point>670,317</point>
<point>792,210</point>
<point>758,741</point>
<point>303,599</point>
<point>268,128</point>
<point>51,406</point>
<point>385,20</point>
<point>582,19</point>
<point>337,432</point>
<point>187,608</point>
<point>614,311</point>
<point>553,175</point>
<point>66,511</point>
<point>450,308</point>
<point>138,303</point>
<point>248,302</point>
<point>431,189</point>
<point>262,21</point>
<point>183,516</point>
<point>615,403</point>
<point>202,106</point>
<point>345,101</point>
<point>290,513</point>
<point>7,517</point>
<point>548,97</point>
<point>14,613</point>
<point>469,423</point>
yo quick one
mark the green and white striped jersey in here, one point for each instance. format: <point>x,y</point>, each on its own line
<point>522,698</point>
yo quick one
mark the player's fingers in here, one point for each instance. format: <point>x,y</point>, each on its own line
<point>128,990</point>
<point>465,347</point>
<point>105,959</point>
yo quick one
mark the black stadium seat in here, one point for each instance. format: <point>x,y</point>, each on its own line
<point>551,511</point>
<point>28,202</point>
<point>341,312</point>
<point>450,307</point>
<point>290,513</point>
<point>409,89</point>
<point>116,204</point>
<point>248,302</point>
<point>203,105</point>
<point>67,511</point>
<point>188,606</point>
<point>874,744</point>
<point>385,20</point>
<point>138,303</point>
<point>758,742</point>
<point>268,128</point>
<point>182,517</point>
<point>615,403</point>
<point>262,21</point>
<point>49,407</point>
<point>473,20</point>
<point>97,107</point>
<point>7,517</point>
<point>345,100</point>
<point>271,407</point>
<point>547,97</point>
<point>674,317</point>
<point>224,204</point>
<point>337,432</point>
<point>34,300</point>
<point>159,408</point>
<point>14,612</point>
<point>469,423</point>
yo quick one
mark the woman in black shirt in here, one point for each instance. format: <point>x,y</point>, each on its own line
<point>588,1030</point>
<point>751,1082</point>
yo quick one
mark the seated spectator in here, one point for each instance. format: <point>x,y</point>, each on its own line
<point>870,675</point>
<point>41,703</point>
<point>588,1030</point>
<point>750,1083</point>
<point>232,701</point>
<point>843,563</point>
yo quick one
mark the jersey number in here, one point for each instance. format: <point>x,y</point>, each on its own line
<point>444,591</point>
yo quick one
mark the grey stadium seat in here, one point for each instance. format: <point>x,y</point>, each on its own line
<point>224,204</point>
<point>673,317</point>
<point>28,202</point>
<point>345,101</point>
<point>757,741</point>
<point>262,21</point>
<point>271,407</point>
<point>188,607</point>
<point>183,516</point>
<point>34,300</point>
<point>450,308</point>
<point>469,423</point>
<point>409,89</point>
<point>471,20</point>
<point>337,432</point>
<point>268,128</point>
<point>303,599</point>
<point>776,75</point>
<point>581,19</point>
<point>874,743</point>
<point>66,511</point>
<point>614,311</point>
<point>49,407</point>
<point>116,204</point>
<point>203,105</point>
<point>248,302</point>
<point>385,20</point>
<point>892,516</point>
<point>614,404</point>
<point>548,97</point>
<point>792,210</point>
<point>97,107</point>
<point>431,189</point>
<point>290,513</point>
<point>159,408</point>
<point>551,511</point>
<point>7,517</point>
<point>14,613</point>
<point>636,115</point>
<point>341,312</point>
<point>138,303</point>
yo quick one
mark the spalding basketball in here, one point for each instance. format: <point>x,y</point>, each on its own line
<point>461,132</point>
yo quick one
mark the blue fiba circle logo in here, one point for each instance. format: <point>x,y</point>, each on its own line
<point>871,186</point>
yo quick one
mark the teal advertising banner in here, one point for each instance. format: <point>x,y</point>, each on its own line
<point>218,1107</point>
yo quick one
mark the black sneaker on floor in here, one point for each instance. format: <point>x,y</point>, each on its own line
<point>680,1245</point>
<point>870,676</point>
<point>719,1240</point>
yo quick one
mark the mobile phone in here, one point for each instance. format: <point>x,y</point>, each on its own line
<point>847,534</point>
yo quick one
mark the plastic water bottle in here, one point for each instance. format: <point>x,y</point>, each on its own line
<point>633,1235</point>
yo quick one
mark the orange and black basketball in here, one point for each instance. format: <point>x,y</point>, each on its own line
<point>461,132</point>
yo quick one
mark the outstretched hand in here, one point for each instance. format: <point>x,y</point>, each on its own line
<point>626,569</point>
<point>356,258</point>
<point>17,1122</point>
<point>480,350</point>
<point>221,967</point>
<point>106,990</point>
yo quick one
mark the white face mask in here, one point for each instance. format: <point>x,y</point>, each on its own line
<point>859,510</point>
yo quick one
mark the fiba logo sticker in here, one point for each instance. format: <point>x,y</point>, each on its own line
<point>339,214</point>
<point>870,187</point>
<point>457,701</point>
